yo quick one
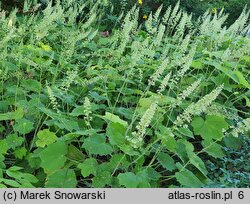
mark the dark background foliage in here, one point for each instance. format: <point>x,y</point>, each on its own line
<point>196,7</point>
<point>40,60</point>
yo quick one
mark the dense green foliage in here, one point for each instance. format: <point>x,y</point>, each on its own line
<point>148,105</point>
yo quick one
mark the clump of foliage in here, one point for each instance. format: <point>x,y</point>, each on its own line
<point>233,171</point>
<point>145,106</point>
<point>194,7</point>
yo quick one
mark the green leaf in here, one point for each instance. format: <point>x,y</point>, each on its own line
<point>2,164</point>
<point>247,101</point>
<point>115,119</point>
<point>245,58</point>
<point>197,162</point>
<point>103,41</point>
<point>181,149</point>
<point>213,149</point>
<point>63,178</point>
<point>96,144</point>
<point>97,97</point>
<point>4,106</point>
<point>197,64</point>
<point>15,173</point>
<point>118,161</point>
<point>10,183</point>
<point>53,157</point>
<point>242,79</point>
<point>69,125</point>
<point>34,158</point>
<point>2,186</point>
<point>233,142</point>
<point>143,179</point>
<point>166,161</point>
<point>23,126</point>
<point>116,133</point>
<point>153,174</point>
<point>15,168</point>
<point>102,179</point>
<point>187,179</point>
<point>14,141</point>
<point>9,65</point>
<point>211,128</point>
<point>167,139</point>
<point>78,111</point>
<point>75,154</point>
<point>126,112</point>
<point>88,167</point>
<point>63,123</point>
<point>74,135</point>
<point>129,150</point>
<point>145,103</point>
<point>18,114</point>
<point>45,137</point>
<point>31,85</point>
<point>20,153</point>
<point>186,132</point>
<point>3,146</point>
<point>128,179</point>
<point>223,79</point>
